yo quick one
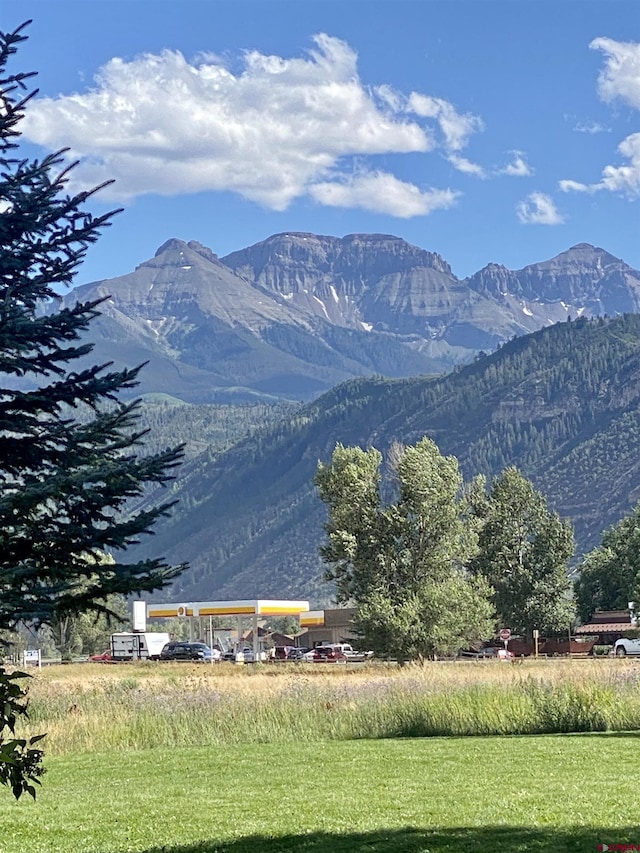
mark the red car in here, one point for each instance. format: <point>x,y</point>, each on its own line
<point>325,654</point>
<point>105,657</point>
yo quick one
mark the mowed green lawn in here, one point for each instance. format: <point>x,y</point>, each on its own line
<point>459,795</point>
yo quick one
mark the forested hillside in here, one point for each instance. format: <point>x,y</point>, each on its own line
<point>205,429</point>
<point>561,404</point>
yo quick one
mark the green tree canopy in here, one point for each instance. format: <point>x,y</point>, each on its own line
<point>523,554</point>
<point>401,563</point>
<point>87,633</point>
<point>70,450</point>
<point>609,575</point>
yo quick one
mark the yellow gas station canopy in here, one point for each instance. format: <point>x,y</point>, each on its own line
<point>257,607</point>
<point>312,619</point>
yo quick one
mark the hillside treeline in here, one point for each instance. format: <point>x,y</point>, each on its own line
<point>561,405</point>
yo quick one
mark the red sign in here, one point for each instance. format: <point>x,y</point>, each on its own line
<point>505,634</point>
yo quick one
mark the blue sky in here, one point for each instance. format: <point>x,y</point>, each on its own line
<point>485,131</point>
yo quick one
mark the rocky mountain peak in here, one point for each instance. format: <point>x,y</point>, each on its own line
<point>292,262</point>
<point>585,277</point>
<point>386,245</point>
<point>495,280</point>
<point>583,257</point>
<point>173,244</point>
<point>176,252</point>
<point>299,312</point>
<point>205,251</point>
<point>589,252</point>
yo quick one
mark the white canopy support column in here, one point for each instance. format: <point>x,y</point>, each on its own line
<point>256,639</point>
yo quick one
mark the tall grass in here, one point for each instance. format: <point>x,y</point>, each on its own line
<point>87,709</point>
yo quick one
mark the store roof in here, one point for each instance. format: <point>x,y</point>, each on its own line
<point>604,628</point>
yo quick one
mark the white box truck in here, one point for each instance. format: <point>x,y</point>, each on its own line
<point>140,645</point>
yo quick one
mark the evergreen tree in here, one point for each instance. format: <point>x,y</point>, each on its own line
<point>69,457</point>
<point>69,449</point>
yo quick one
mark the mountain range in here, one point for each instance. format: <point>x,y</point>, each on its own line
<point>376,341</point>
<point>296,314</point>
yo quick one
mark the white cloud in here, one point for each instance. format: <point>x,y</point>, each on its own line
<point>466,166</point>
<point>456,127</point>
<point>538,209</point>
<point>381,192</point>
<point>591,127</point>
<point>275,130</point>
<point>620,78</point>
<point>576,186</point>
<point>518,167</point>
<point>617,179</point>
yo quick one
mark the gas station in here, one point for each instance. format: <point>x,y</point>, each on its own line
<point>252,609</point>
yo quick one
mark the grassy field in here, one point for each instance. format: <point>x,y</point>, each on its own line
<point>92,707</point>
<point>200,788</point>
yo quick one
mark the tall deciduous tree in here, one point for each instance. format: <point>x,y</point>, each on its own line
<point>87,633</point>
<point>69,450</point>
<point>609,576</point>
<point>524,549</point>
<point>401,563</point>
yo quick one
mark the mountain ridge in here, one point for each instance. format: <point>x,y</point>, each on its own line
<point>297,313</point>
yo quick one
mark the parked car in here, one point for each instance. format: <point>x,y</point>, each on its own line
<point>325,654</point>
<point>243,655</point>
<point>246,655</point>
<point>297,654</point>
<point>348,651</point>
<point>494,653</point>
<point>626,646</point>
<point>105,657</point>
<point>189,652</point>
<point>281,652</point>
<point>488,653</point>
